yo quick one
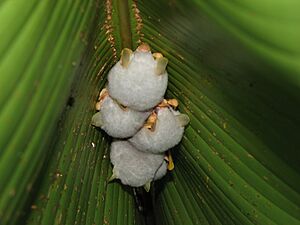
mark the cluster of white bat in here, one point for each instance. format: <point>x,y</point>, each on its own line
<point>133,110</point>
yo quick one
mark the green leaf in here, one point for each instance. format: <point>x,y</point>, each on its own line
<point>238,162</point>
<point>54,172</point>
<point>234,68</point>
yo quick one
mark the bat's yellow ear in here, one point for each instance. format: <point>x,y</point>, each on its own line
<point>173,102</point>
<point>183,119</point>
<point>113,176</point>
<point>147,186</point>
<point>151,122</point>
<point>97,120</point>
<point>101,97</point>
<point>161,66</point>
<point>170,161</point>
<point>125,57</point>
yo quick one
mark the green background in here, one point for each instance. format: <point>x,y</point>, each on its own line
<point>234,66</point>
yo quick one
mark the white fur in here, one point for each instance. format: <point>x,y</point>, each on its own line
<point>168,133</point>
<point>133,167</point>
<point>162,170</point>
<point>119,123</point>
<point>137,86</point>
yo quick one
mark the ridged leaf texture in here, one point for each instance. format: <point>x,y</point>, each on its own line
<point>234,66</point>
